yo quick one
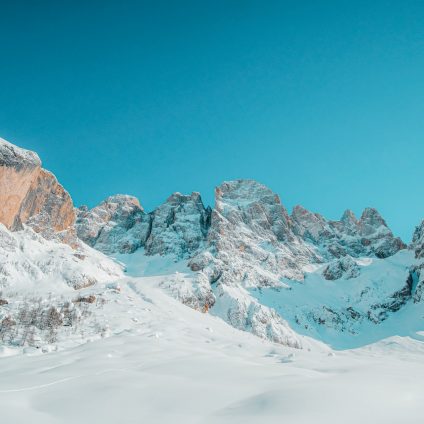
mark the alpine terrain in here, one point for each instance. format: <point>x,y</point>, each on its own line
<point>235,312</point>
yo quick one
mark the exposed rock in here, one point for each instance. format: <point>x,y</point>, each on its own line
<point>418,241</point>
<point>195,293</point>
<point>18,170</point>
<point>368,236</point>
<point>179,226</point>
<point>344,267</point>
<point>85,299</point>
<point>250,241</point>
<point>311,226</point>
<point>250,244</point>
<point>397,300</point>
<point>31,195</point>
<point>117,225</point>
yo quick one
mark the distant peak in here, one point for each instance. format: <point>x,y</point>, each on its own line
<point>178,197</point>
<point>348,217</point>
<point>119,202</point>
<point>247,190</point>
<point>372,216</point>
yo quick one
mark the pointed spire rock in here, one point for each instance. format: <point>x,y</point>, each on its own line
<point>349,217</point>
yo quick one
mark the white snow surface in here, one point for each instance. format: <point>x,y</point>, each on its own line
<point>166,362</point>
<point>27,258</point>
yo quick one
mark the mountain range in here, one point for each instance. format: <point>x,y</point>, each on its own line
<point>289,278</point>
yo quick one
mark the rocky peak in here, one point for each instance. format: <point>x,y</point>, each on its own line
<point>116,225</point>
<point>348,217</point>
<point>15,157</point>
<point>368,236</point>
<point>418,241</point>
<point>31,195</point>
<point>310,226</point>
<point>349,220</point>
<point>371,221</point>
<point>255,205</point>
<point>179,226</point>
<point>250,226</point>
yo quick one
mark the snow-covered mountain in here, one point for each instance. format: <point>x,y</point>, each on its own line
<point>246,260</point>
<point>248,245</point>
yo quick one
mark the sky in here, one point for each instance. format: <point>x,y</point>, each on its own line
<point>321,101</point>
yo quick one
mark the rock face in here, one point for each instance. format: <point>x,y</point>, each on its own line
<point>117,225</point>
<point>344,267</point>
<point>31,195</point>
<point>38,240</point>
<point>417,271</point>
<point>250,244</point>
<point>368,236</point>
<point>250,241</point>
<point>418,241</point>
<point>179,226</point>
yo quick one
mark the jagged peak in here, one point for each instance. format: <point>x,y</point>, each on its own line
<point>300,213</point>
<point>14,156</point>
<point>418,232</point>
<point>244,192</point>
<point>348,217</point>
<point>372,217</point>
<point>178,197</point>
<point>123,199</point>
<point>417,243</point>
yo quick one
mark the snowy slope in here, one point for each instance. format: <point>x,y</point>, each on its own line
<point>177,365</point>
<point>27,258</point>
<point>351,312</point>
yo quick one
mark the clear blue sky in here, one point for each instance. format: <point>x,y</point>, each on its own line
<point>322,101</point>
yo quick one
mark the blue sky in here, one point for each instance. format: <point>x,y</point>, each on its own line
<point>321,101</point>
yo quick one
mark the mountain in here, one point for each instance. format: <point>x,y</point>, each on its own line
<point>245,260</point>
<point>248,244</point>
<point>37,226</point>
<point>31,195</point>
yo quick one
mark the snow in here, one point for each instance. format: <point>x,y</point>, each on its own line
<point>27,258</point>
<point>14,155</point>
<point>143,356</point>
<point>178,365</point>
<point>303,303</point>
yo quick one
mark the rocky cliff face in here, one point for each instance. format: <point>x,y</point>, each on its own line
<point>368,236</point>
<point>250,240</point>
<point>179,226</point>
<point>250,244</point>
<point>117,225</point>
<point>31,195</point>
<point>418,241</point>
